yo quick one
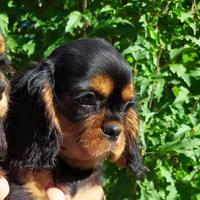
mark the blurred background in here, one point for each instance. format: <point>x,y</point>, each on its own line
<point>160,39</point>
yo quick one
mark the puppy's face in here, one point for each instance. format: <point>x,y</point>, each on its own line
<point>94,99</point>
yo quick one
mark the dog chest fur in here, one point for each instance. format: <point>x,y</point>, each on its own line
<point>87,189</point>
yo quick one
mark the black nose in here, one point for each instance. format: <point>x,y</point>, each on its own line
<point>111,131</point>
<point>2,87</point>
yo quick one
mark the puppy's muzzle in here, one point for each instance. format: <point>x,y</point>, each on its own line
<point>111,131</point>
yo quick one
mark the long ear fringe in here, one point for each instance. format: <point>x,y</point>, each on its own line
<point>131,158</point>
<point>35,78</point>
<point>3,63</point>
<point>134,161</point>
<point>3,145</point>
<point>32,140</point>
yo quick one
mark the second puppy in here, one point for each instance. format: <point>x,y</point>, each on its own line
<point>4,91</point>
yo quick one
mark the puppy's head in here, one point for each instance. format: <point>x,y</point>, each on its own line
<point>94,101</point>
<point>85,95</point>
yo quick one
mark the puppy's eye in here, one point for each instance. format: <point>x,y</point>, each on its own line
<point>87,99</point>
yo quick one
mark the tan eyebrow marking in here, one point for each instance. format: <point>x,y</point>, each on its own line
<point>102,84</point>
<point>127,92</point>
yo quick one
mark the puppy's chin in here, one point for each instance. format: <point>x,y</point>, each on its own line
<point>84,144</point>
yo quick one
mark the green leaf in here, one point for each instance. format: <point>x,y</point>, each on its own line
<point>159,88</point>
<point>4,23</point>
<point>182,95</point>
<point>185,15</point>
<point>148,191</point>
<point>182,146</point>
<point>188,18</point>
<point>73,21</point>
<point>11,43</point>
<point>180,70</point>
<point>107,8</point>
<point>182,129</point>
<point>137,52</point>
<point>167,174</point>
<point>172,192</point>
<point>194,40</point>
<point>175,52</point>
<point>53,46</point>
<point>29,48</point>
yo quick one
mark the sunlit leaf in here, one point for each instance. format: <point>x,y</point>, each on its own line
<point>4,22</point>
<point>182,95</point>
<point>73,21</point>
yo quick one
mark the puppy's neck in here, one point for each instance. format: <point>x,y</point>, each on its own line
<point>84,165</point>
<point>69,178</point>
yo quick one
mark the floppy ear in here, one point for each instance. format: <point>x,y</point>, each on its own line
<point>31,126</point>
<point>131,159</point>
<point>3,145</point>
<point>3,97</point>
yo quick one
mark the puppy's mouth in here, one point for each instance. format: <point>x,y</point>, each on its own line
<point>90,152</point>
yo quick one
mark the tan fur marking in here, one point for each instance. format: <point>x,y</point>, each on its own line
<point>4,97</point>
<point>37,183</point>
<point>102,84</point>
<point>118,148</point>
<point>83,143</point>
<point>2,173</point>
<point>131,124</point>
<point>2,45</point>
<point>3,106</point>
<point>131,134</point>
<point>47,97</point>
<point>127,92</point>
<point>88,189</point>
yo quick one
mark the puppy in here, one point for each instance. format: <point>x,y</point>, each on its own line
<point>4,90</point>
<point>67,115</point>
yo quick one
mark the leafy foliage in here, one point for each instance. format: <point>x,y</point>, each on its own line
<point>161,42</point>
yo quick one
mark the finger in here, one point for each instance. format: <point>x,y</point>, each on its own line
<point>4,188</point>
<point>55,194</point>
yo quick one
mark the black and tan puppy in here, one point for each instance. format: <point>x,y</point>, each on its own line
<point>4,90</point>
<point>67,114</point>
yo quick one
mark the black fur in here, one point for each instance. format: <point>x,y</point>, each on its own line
<point>3,145</point>
<point>39,143</point>
<point>70,177</point>
<point>17,192</point>
<point>134,162</point>
<point>4,89</point>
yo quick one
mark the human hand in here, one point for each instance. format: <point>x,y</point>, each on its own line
<point>54,193</point>
<point>4,188</point>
